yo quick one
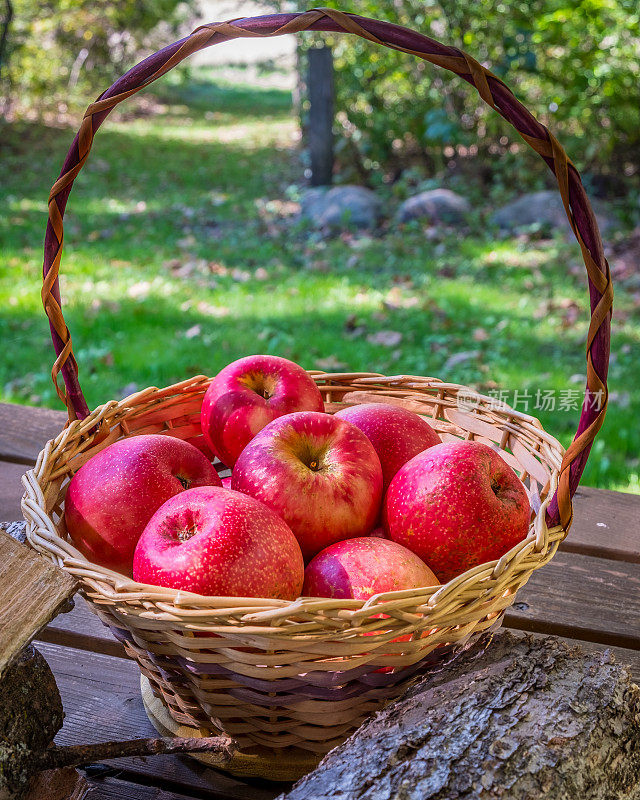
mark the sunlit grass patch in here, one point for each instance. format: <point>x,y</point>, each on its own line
<point>182,252</point>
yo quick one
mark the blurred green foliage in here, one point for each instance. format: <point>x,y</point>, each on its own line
<point>61,49</point>
<point>574,63</point>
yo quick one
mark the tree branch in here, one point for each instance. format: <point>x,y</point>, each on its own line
<point>77,755</point>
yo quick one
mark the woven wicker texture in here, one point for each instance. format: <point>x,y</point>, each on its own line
<point>299,676</point>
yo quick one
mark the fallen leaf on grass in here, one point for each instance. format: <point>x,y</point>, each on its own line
<point>215,268</point>
<point>385,338</point>
<point>186,242</point>
<point>571,313</point>
<point>395,300</point>
<point>460,358</point>
<point>210,310</point>
<point>240,275</point>
<point>352,328</point>
<point>139,291</point>
<point>330,362</point>
<point>480,335</point>
<point>192,332</point>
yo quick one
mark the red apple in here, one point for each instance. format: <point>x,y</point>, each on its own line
<point>214,541</point>
<point>362,567</point>
<point>397,435</point>
<point>457,505</point>
<point>319,473</point>
<point>112,497</point>
<point>248,394</point>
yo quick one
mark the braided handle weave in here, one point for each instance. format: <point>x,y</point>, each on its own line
<point>490,88</point>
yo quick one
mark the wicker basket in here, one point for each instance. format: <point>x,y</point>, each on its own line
<point>292,679</point>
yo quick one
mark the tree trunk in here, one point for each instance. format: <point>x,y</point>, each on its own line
<point>521,719</point>
<point>6,22</point>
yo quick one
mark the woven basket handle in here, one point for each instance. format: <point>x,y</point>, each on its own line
<point>491,89</point>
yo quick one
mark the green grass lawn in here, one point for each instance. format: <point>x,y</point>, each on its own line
<point>182,254</point>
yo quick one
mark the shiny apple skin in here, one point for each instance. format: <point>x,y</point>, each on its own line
<point>397,435</point>
<point>338,498</point>
<point>217,542</point>
<point>248,394</point>
<point>111,498</point>
<point>457,505</point>
<point>361,567</point>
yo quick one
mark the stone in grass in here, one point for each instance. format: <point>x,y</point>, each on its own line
<point>341,208</point>
<point>438,206</point>
<point>544,209</point>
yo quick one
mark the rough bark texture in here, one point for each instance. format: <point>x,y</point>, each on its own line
<point>30,716</point>
<point>522,718</point>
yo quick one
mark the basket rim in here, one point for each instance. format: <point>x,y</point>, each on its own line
<point>105,586</point>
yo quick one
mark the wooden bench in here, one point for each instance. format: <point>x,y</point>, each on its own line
<point>589,593</point>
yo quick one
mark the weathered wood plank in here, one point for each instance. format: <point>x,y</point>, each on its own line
<point>11,490</point>
<point>24,430</point>
<point>81,628</point>
<point>606,524</point>
<point>115,788</point>
<point>101,698</point>
<point>58,784</point>
<point>32,591</point>
<point>581,597</point>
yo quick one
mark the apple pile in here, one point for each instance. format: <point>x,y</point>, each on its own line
<point>368,498</point>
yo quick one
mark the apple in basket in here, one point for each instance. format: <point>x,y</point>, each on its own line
<point>457,505</point>
<point>359,568</point>
<point>111,498</point>
<point>249,393</point>
<point>319,473</point>
<point>397,435</point>
<point>215,541</point>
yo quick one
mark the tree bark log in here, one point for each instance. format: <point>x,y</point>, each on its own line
<point>521,719</point>
<point>30,716</point>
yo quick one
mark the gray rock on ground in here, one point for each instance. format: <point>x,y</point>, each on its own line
<point>436,206</point>
<point>341,207</point>
<point>545,209</point>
